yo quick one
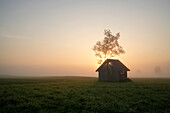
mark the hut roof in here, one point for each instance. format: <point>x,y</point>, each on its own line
<point>116,63</point>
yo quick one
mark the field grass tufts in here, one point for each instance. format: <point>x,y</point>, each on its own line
<point>84,94</point>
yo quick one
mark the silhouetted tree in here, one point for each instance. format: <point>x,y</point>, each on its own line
<point>108,48</point>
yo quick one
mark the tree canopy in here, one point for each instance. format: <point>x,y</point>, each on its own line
<point>108,48</point>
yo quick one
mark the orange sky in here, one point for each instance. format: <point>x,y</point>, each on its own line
<point>55,38</point>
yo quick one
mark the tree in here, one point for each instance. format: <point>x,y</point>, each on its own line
<point>108,48</point>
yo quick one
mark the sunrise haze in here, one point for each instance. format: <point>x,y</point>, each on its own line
<point>55,38</point>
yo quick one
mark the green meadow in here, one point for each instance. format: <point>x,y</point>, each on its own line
<point>84,94</point>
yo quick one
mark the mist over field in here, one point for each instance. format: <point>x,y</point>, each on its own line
<point>84,56</point>
<point>55,38</point>
<point>137,71</point>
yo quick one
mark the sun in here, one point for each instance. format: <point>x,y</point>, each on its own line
<point>107,57</point>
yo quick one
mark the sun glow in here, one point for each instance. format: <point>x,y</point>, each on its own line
<point>107,57</point>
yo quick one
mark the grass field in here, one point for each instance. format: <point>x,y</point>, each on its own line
<point>83,94</point>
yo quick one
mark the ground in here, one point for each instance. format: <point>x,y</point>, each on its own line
<point>83,94</point>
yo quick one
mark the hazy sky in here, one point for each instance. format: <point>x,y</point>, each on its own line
<point>52,37</point>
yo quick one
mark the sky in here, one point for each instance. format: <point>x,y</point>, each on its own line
<point>56,37</point>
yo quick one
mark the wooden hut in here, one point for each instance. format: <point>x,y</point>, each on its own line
<point>112,70</point>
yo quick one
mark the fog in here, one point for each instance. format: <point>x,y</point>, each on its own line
<point>154,70</point>
<point>158,70</point>
<point>38,71</point>
<point>55,38</point>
